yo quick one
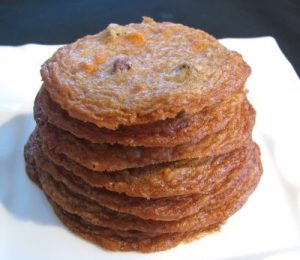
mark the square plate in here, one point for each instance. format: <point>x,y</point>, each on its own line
<point>268,226</point>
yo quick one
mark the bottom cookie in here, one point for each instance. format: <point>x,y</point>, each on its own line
<point>108,239</point>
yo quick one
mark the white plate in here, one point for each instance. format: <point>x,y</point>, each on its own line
<point>268,226</point>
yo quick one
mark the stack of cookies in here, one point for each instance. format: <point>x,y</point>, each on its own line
<point>143,136</point>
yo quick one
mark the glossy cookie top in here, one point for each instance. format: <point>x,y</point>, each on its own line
<point>140,73</point>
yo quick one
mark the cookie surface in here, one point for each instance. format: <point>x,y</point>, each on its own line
<point>157,209</point>
<point>104,157</point>
<point>102,216</point>
<point>144,136</point>
<point>91,227</point>
<point>170,132</point>
<point>164,209</point>
<point>127,241</point>
<point>164,180</point>
<point>141,73</point>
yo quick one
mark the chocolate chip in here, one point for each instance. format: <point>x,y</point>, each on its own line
<point>182,72</point>
<point>184,66</point>
<point>114,31</point>
<point>122,64</point>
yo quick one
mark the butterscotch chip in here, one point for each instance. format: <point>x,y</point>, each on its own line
<point>136,38</point>
<point>182,69</point>
<point>89,67</point>
<point>147,19</point>
<point>102,157</point>
<point>99,59</point>
<point>182,129</point>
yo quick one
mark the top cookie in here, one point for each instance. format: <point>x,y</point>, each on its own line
<point>140,73</point>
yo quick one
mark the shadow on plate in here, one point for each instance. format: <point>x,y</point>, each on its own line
<point>21,198</point>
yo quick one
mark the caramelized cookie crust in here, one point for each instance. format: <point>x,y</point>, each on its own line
<point>165,209</point>
<point>94,224</point>
<point>104,157</point>
<point>170,132</point>
<point>128,241</point>
<point>143,136</point>
<point>141,73</point>
<point>96,214</point>
<point>183,177</point>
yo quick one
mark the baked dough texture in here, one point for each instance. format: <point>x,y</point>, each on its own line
<point>143,136</point>
<point>141,73</point>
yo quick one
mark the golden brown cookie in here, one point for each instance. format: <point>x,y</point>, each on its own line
<point>29,151</point>
<point>142,73</point>
<point>170,132</point>
<point>144,136</point>
<point>146,242</point>
<point>157,209</point>
<point>125,240</point>
<point>166,209</point>
<point>98,215</point>
<point>163,180</point>
<point>103,157</point>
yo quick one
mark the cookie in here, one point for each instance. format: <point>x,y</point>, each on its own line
<point>182,129</point>
<point>127,241</point>
<point>115,239</point>
<point>164,180</point>
<point>158,209</point>
<point>144,136</point>
<point>98,215</point>
<point>142,73</point>
<point>103,157</point>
